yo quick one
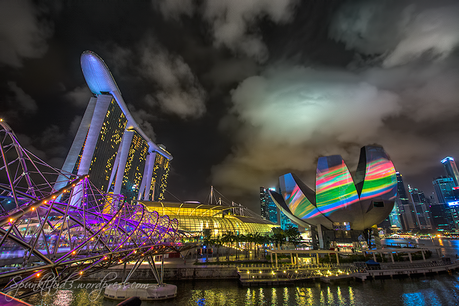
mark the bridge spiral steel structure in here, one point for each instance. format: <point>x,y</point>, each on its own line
<point>66,233</point>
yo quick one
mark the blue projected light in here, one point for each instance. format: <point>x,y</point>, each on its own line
<point>446,159</point>
<point>453,203</point>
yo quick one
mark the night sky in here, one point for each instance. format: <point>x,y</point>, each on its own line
<point>241,92</point>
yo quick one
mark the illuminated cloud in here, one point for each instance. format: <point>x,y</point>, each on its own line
<point>297,104</point>
<point>402,93</point>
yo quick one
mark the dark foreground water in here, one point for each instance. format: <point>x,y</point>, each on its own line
<point>440,289</point>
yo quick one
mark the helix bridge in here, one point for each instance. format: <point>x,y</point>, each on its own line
<point>71,232</point>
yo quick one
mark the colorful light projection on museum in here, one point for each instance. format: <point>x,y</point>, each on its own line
<point>335,188</point>
<point>380,180</point>
<point>296,201</point>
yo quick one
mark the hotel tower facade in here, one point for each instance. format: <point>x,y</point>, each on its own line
<point>109,145</point>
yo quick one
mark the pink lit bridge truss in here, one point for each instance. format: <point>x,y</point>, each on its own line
<point>74,231</point>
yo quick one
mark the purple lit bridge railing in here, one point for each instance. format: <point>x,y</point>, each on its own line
<point>70,232</point>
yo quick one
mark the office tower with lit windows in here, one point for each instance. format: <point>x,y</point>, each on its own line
<point>421,207</point>
<point>159,179</point>
<point>269,210</point>
<point>110,146</point>
<point>445,190</point>
<point>404,205</point>
<point>441,217</point>
<point>443,187</point>
<point>451,169</point>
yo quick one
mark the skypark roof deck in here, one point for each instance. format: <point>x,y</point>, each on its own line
<point>101,82</point>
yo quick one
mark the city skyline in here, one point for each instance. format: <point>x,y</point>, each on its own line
<point>239,101</point>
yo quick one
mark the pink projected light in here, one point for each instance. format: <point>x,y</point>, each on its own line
<point>380,179</point>
<point>335,188</point>
<point>340,197</point>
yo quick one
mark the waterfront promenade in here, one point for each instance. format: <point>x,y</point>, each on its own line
<point>258,273</point>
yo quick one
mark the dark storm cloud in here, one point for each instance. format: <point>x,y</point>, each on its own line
<point>22,33</point>
<point>179,90</point>
<point>402,31</point>
<point>293,80</point>
<point>292,113</point>
<point>228,71</point>
<point>171,85</point>
<point>144,120</point>
<point>19,102</point>
<point>48,145</point>
<point>234,23</point>
<point>79,96</point>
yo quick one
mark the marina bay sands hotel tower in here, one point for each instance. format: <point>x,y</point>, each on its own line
<point>110,146</point>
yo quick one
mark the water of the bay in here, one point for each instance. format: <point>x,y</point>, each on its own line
<point>440,289</point>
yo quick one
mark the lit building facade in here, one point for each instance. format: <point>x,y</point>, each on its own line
<point>341,205</point>
<point>446,192</point>
<point>441,217</point>
<point>421,207</point>
<point>159,179</point>
<point>218,220</point>
<point>405,207</point>
<point>109,145</point>
<point>451,169</point>
<point>443,187</point>
<point>269,210</point>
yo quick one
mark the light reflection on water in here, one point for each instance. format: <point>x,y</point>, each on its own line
<point>449,247</point>
<point>440,289</point>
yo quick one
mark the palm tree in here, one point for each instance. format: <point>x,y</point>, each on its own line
<point>257,239</point>
<point>278,236</point>
<point>293,235</point>
<point>217,242</point>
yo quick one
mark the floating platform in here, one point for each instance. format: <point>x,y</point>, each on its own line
<point>146,292</point>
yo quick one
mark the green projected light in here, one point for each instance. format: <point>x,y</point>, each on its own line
<point>380,180</point>
<point>335,188</point>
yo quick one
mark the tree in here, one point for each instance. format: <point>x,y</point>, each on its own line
<point>207,238</point>
<point>228,238</point>
<point>278,236</point>
<point>217,242</point>
<point>293,235</point>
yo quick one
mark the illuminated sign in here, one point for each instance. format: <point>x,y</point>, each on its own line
<point>453,203</point>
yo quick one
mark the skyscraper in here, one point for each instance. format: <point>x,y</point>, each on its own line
<point>268,209</point>
<point>405,207</point>
<point>421,207</point>
<point>441,217</point>
<point>443,187</point>
<point>159,178</point>
<point>451,169</point>
<point>110,147</point>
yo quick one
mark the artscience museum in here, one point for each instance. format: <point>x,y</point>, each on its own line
<point>342,206</point>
